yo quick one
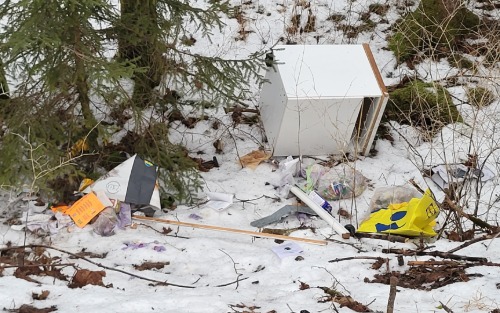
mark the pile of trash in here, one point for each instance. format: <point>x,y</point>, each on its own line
<point>109,202</point>
<point>106,203</point>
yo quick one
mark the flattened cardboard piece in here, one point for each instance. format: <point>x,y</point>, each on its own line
<point>254,158</point>
<point>133,181</point>
<point>84,210</point>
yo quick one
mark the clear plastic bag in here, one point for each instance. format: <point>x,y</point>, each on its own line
<point>384,196</point>
<point>106,222</point>
<point>341,182</point>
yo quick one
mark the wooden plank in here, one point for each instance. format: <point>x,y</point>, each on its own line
<point>232,230</point>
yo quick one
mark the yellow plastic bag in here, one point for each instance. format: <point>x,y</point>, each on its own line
<point>413,218</point>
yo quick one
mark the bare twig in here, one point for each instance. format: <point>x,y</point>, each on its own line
<point>473,219</point>
<point>346,243</point>
<point>234,282</point>
<point>356,258</point>
<point>235,269</point>
<point>473,241</point>
<point>447,309</point>
<point>444,255</point>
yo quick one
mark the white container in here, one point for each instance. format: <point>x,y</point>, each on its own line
<point>322,99</point>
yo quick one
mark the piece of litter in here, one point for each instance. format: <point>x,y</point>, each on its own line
<point>287,249</point>
<point>195,216</point>
<point>219,201</point>
<point>159,248</point>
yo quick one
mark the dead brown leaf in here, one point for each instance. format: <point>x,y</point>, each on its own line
<point>40,296</point>
<point>23,272</point>
<point>166,231</point>
<point>151,265</point>
<point>336,296</point>
<point>85,277</point>
<point>378,264</point>
<point>304,286</point>
<point>455,236</point>
<point>343,212</point>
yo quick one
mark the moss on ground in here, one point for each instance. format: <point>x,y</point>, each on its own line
<point>431,29</point>
<point>479,96</point>
<point>425,105</point>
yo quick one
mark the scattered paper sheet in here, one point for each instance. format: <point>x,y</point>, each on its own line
<point>287,249</point>
<point>219,201</point>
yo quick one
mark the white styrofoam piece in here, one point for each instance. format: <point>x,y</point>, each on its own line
<point>337,227</point>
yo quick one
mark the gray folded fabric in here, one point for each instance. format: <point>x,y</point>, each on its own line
<point>281,214</point>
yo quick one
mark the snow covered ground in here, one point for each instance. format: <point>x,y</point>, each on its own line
<point>228,272</point>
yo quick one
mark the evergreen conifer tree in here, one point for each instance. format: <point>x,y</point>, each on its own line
<point>58,52</point>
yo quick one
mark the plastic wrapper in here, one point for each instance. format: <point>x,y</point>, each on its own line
<point>124,215</point>
<point>385,196</point>
<point>337,183</point>
<point>288,170</point>
<point>106,222</point>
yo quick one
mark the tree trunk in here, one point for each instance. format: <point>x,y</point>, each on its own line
<point>80,78</point>
<point>4,87</point>
<point>138,42</point>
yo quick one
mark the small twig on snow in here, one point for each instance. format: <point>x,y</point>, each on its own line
<point>356,258</point>
<point>346,243</point>
<point>235,269</point>
<point>447,309</point>
<point>473,241</point>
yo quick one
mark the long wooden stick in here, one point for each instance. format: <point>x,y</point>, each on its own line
<point>232,230</point>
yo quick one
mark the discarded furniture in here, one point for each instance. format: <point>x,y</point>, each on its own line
<point>322,99</point>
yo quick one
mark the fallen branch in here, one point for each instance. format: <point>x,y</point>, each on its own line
<point>233,230</point>
<point>444,255</point>
<point>473,241</point>
<point>163,283</point>
<point>38,265</point>
<point>392,294</point>
<point>242,110</point>
<point>391,238</point>
<point>356,258</point>
<point>430,263</point>
<point>433,263</point>
<point>476,221</point>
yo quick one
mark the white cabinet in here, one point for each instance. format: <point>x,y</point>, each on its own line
<point>322,99</point>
